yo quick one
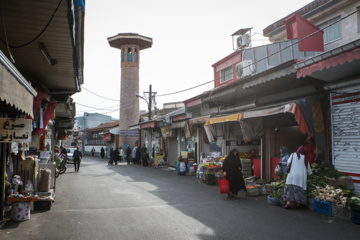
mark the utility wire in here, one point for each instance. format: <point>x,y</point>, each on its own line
<point>100,95</point>
<point>267,56</point>
<point>42,31</point>
<point>230,73</point>
<point>96,108</point>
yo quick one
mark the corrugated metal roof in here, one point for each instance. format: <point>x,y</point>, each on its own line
<point>241,31</point>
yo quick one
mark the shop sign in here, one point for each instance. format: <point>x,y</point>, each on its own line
<point>128,133</point>
<point>107,137</point>
<point>166,132</point>
<point>178,125</point>
<point>15,130</point>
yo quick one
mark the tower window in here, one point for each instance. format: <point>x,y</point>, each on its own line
<point>136,55</point>
<point>123,55</point>
<point>129,56</point>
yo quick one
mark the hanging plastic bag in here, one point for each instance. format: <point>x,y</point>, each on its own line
<point>224,186</point>
<point>278,170</point>
<point>29,187</point>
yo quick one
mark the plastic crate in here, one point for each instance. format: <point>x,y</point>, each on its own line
<point>341,212</point>
<point>323,207</point>
<point>355,216</point>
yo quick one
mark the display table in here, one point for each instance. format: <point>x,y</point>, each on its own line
<point>20,207</point>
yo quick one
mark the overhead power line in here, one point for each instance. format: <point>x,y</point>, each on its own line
<point>230,73</point>
<point>310,35</point>
<point>100,95</point>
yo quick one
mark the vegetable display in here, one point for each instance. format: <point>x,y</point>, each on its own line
<point>331,194</point>
<point>354,203</point>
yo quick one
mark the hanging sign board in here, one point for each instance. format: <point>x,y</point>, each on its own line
<point>107,137</point>
<point>128,133</point>
<point>15,130</point>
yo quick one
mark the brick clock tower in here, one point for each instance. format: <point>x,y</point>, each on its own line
<point>130,45</point>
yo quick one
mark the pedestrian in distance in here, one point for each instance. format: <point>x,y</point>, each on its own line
<point>143,152</point>
<point>111,157</point>
<point>295,185</point>
<point>233,172</point>
<point>121,154</point>
<point>102,152</point>
<point>77,159</point>
<point>128,154</point>
<point>138,155</point>
<point>133,156</point>
<point>93,151</point>
<point>116,155</point>
<point>284,156</point>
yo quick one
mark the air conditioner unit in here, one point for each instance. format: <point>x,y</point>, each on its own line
<point>243,41</point>
<point>244,68</point>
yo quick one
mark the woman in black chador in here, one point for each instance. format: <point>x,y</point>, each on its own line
<point>232,170</point>
<point>102,153</point>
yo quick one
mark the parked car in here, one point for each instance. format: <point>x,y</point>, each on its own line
<point>70,154</point>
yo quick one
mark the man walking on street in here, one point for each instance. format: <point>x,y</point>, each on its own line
<point>143,151</point>
<point>77,159</point>
<point>128,154</point>
<point>93,151</point>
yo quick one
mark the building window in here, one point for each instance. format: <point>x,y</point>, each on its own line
<point>226,74</point>
<point>332,31</point>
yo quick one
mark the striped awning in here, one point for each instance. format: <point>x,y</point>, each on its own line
<point>15,90</point>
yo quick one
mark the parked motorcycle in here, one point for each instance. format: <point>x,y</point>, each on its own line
<point>62,166</point>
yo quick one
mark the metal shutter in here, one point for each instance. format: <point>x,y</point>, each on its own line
<point>345,124</point>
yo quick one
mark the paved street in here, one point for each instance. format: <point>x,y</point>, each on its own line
<point>135,202</point>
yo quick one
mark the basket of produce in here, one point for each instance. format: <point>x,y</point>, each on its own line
<point>273,201</point>
<point>210,178</point>
<point>253,190</point>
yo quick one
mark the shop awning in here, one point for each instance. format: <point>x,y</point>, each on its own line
<point>339,63</point>
<point>134,127</point>
<point>151,124</point>
<point>115,131</point>
<point>273,74</point>
<point>14,88</point>
<point>199,120</point>
<point>290,107</point>
<point>228,118</point>
<point>178,125</point>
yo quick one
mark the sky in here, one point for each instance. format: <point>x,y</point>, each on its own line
<point>188,37</point>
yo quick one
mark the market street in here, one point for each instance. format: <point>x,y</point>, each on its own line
<point>135,202</point>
